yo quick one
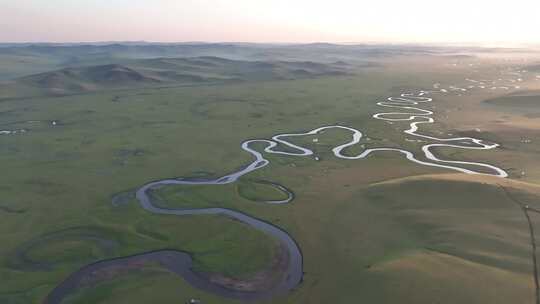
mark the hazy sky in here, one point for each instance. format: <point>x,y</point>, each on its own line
<point>483,21</point>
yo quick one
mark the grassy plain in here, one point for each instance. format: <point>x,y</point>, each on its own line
<point>366,233</point>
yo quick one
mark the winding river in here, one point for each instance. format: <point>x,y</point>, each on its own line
<point>405,108</point>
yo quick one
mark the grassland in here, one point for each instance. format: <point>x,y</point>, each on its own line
<point>368,231</point>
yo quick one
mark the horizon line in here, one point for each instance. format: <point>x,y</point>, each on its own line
<point>500,44</point>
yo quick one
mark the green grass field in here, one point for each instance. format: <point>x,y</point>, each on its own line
<point>368,232</point>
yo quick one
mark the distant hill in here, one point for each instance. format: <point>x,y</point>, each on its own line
<point>167,72</point>
<point>18,60</point>
<point>533,68</point>
<point>87,78</point>
<point>525,100</point>
<point>221,68</point>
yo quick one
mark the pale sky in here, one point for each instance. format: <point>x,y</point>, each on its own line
<point>479,21</point>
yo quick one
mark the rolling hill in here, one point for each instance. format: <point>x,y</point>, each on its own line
<point>87,78</point>
<point>166,72</point>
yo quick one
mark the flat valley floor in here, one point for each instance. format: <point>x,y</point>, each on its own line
<point>289,177</point>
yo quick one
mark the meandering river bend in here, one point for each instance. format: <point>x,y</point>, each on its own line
<point>405,108</point>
